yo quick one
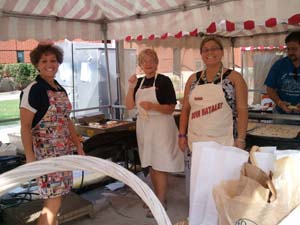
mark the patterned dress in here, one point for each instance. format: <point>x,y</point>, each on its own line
<point>50,133</point>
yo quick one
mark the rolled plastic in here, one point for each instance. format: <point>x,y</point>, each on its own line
<point>24,173</point>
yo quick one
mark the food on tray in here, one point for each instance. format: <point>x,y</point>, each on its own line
<point>276,130</point>
<point>251,126</point>
<point>292,107</point>
<point>258,107</point>
<point>111,122</point>
<point>95,125</point>
<point>108,124</point>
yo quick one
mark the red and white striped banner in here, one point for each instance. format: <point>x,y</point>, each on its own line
<point>144,19</point>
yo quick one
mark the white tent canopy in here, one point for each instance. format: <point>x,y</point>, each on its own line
<point>147,19</point>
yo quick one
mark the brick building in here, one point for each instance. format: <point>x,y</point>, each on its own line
<point>13,51</point>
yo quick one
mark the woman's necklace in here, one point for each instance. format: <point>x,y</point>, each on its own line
<point>217,76</point>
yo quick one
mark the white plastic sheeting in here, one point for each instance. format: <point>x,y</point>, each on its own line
<point>29,171</point>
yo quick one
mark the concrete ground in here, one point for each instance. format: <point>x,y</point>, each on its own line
<point>124,207</point>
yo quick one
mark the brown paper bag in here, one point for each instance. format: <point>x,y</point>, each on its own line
<point>244,201</point>
<point>252,199</point>
<point>286,180</point>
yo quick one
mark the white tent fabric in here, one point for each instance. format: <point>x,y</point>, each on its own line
<point>144,19</point>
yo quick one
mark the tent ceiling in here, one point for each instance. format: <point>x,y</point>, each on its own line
<point>144,19</point>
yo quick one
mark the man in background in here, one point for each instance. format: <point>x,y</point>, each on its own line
<point>283,80</point>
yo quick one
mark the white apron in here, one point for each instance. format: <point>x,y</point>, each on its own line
<point>157,136</point>
<point>210,120</point>
<point>210,115</point>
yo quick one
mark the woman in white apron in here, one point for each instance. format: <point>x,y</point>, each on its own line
<point>215,102</point>
<point>157,134</point>
<point>214,109</point>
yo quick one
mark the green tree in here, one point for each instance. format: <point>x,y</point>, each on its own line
<point>22,73</point>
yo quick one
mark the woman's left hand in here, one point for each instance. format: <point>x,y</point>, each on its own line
<point>240,143</point>
<point>146,105</point>
<point>182,142</point>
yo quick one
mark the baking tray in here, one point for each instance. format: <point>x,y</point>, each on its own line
<point>280,143</point>
<point>282,136</point>
<point>119,126</point>
<point>92,117</point>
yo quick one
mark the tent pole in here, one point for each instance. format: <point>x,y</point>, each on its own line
<point>118,70</point>
<point>232,52</point>
<point>73,79</point>
<point>104,31</point>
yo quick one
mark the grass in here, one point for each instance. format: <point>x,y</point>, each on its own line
<point>9,109</point>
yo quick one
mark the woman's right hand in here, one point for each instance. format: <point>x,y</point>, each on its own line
<point>182,142</point>
<point>132,81</point>
<point>284,106</point>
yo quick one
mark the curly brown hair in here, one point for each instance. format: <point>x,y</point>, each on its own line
<point>36,53</point>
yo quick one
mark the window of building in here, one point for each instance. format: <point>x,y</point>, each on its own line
<point>20,56</point>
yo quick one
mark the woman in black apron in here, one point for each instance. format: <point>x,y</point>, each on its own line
<point>46,128</point>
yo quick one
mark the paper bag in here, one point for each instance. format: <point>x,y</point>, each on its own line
<point>286,179</point>
<point>243,201</point>
<point>211,163</point>
<point>292,218</point>
<point>257,198</point>
<point>255,183</point>
<point>265,157</point>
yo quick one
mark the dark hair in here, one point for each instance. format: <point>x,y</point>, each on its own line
<point>293,37</point>
<point>147,52</point>
<point>212,38</point>
<point>36,53</point>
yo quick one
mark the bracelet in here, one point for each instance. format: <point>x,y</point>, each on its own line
<point>182,135</point>
<point>240,140</point>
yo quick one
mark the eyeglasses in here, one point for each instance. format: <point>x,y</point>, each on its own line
<point>291,49</point>
<point>213,50</point>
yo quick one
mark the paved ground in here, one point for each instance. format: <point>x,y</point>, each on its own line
<point>120,207</point>
<point>124,207</point>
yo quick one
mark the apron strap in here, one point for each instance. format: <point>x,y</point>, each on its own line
<point>142,82</point>
<point>223,76</point>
